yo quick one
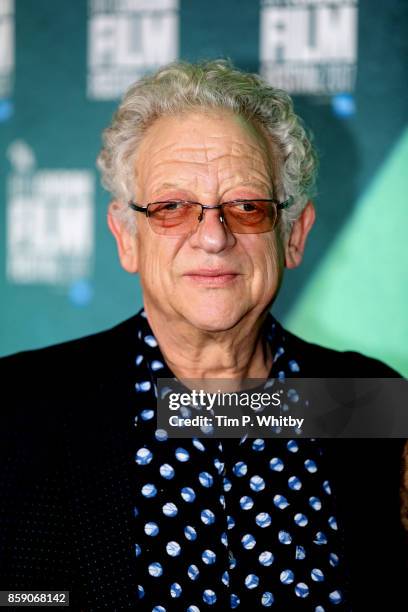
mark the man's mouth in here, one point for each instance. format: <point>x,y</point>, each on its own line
<point>212,276</point>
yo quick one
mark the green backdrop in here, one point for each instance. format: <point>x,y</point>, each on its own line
<point>63,67</point>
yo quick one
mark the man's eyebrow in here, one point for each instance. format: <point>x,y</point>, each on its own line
<point>258,185</point>
<point>169,185</point>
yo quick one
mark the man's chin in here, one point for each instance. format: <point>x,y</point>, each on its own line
<point>213,320</point>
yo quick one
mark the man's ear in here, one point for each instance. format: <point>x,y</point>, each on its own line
<point>126,240</point>
<point>295,245</point>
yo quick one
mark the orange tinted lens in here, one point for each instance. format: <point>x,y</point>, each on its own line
<point>173,218</point>
<point>250,217</point>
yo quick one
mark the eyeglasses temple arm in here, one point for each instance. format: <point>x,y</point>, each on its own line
<point>287,203</point>
<point>137,208</point>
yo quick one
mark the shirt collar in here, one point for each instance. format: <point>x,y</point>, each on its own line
<point>150,359</point>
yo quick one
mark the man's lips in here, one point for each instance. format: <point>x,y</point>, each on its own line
<point>213,277</point>
<point>211,272</point>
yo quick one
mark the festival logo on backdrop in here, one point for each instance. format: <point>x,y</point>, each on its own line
<point>6,47</point>
<point>309,46</point>
<point>49,221</point>
<point>127,39</point>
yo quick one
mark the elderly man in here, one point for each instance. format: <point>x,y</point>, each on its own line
<point>211,172</point>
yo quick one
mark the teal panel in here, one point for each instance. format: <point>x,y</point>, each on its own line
<point>358,297</point>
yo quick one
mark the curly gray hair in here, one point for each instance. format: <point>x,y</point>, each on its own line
<point>180,86</point>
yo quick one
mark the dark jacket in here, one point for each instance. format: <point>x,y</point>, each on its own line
<point>67,485</point>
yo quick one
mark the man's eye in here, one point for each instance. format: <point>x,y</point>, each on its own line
<point>247,206</point>
<point>174,205</point>
<point>168,206</point>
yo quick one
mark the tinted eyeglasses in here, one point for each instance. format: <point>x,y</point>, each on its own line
<point>180,217</point>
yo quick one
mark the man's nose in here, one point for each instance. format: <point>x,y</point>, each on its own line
<point>212,234</point>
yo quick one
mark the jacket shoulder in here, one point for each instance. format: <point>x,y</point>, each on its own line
<point>321,362</point>
<point>41,384</point>
<point>76,352</point>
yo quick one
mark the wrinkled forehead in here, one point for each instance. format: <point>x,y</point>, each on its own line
<point>206,145</point>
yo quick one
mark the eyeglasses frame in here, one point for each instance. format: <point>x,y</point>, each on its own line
<point>279,206</point>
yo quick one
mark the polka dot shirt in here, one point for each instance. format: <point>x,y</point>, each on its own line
<point>231,523</point>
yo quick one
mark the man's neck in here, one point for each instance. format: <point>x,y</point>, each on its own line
<point>237,353</point>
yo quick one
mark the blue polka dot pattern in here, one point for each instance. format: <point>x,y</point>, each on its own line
<point>234,524</point>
